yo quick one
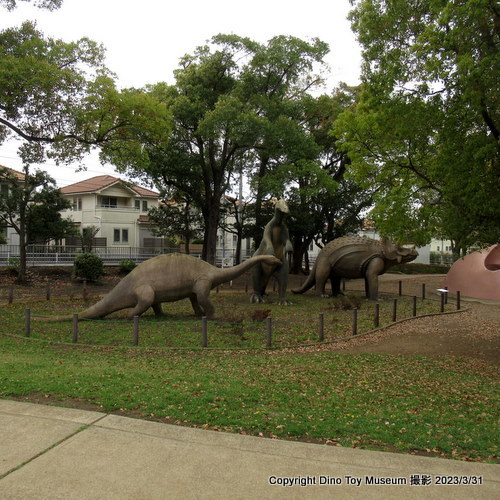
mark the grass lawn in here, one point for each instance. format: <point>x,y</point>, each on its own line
<point>446,407</point>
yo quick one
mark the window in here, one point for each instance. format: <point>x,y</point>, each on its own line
<point>109,202</point>
<point>120,235</point>
<point>77,204</point>
<point>138,204</point>
<point>144,206</point>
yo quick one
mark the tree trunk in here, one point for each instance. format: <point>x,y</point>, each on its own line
<point>238,248</point>
<point>210,238</point>
<point>21,276</point>
<point>259,220</point>
<point>307,268</point>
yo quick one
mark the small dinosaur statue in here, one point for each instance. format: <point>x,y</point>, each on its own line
<point>168,278</point>
<point>355,257</point>
<point>275,241</point>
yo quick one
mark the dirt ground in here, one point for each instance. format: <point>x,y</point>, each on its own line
<point>473,332</point>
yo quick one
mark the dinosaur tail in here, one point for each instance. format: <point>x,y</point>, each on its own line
<point>230,273</point>
<point>98,310</point>
<point>309,283</point>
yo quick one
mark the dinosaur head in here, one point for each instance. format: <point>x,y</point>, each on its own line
<point>282,206</point>
<point>398,254</point>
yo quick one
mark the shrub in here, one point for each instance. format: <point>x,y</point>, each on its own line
<point>126,265</point>
<point>346,302</point>
<point>88,266</point>
<point>419,268</point>
<point>13,265</point>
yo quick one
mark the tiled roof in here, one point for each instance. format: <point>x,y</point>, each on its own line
<point>102,181</point>
<point>19,175</point>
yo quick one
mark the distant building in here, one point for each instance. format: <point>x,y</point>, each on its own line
<point>118,208</point>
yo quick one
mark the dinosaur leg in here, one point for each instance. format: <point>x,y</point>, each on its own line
<point>322,275</point>
<point>157,309</point>
<point>145,296</point>
<point>196,307</point>
<point>336,280</point>
<point>202,292</point>
<point>259,284</point>
<point>282,283</point>
<point>374,269</point>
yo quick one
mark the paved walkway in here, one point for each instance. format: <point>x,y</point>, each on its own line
<point>48,452</point>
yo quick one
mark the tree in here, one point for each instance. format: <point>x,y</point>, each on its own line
<point>277,81</point>
<point>217,119</point>
<point>239,210</point>
<point>426,129</point>
<point>60,100</point>
<point>176,218</point>
<point>312,173</point>
<point>31,205</point>
<point>87,236</point>
<point>42,4</point>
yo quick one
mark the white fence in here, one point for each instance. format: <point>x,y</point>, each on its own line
<point>54,255</point>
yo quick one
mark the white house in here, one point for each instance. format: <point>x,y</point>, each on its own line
<point>118,208</point>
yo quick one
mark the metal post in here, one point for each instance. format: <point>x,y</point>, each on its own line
<point>442,302</point>
<point>47,291</point>
<point>204,332</point>
<point>376,319</point>
<point>446,295</point>
<point>11,294</point>
<point>458,300</point>
<point>75,328</point>
<point>423,291</point>
<point>400,288</point>
<point>355,321</point>
<point>27,322</point>
<point>136,330</point>
<point>394,310</point>
<point>269,333</point>
<point>414,305</point>
<point>321,332</point>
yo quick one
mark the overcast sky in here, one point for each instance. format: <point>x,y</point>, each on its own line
<point>145,39</point>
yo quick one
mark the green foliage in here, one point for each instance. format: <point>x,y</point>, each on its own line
<point>88,266</point>
<point>42,4</point>
<point>176,218</point>
<point>418,268</point>
<point>346,302</point>
<point>127,265</point>
<point>31,205</point>
<point>13,264</point>
<point>60,99</point>
<point>426,129</point>
<point>223,109</point>
<point>87,238</point>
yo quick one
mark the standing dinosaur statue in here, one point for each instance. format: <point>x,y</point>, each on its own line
<point>168,278</point>
<point>355,257</point>
<point>275,241</point>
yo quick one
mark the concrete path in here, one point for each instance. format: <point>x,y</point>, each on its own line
<point>48,452</point>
